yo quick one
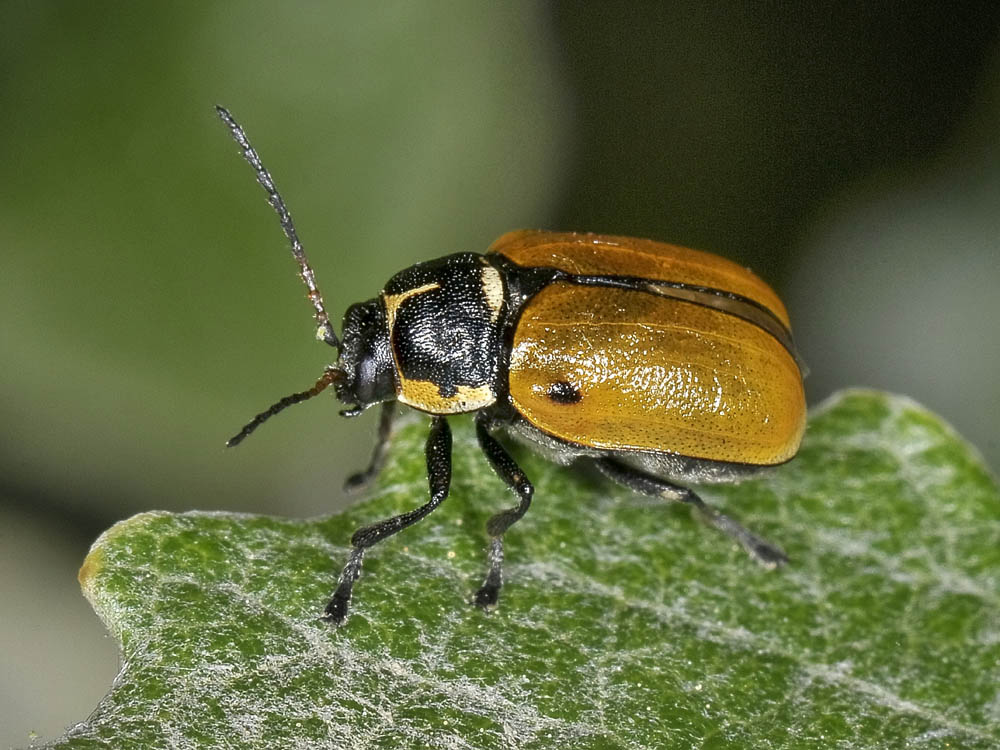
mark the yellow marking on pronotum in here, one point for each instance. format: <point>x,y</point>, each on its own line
<point>426,396</point>
<point>493,291</point>
<point>393,301</point>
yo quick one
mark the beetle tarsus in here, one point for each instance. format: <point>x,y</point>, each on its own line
<point>488,594</point>
<point>759,549</point>
<point>336,609</point>
<point>768,555</point>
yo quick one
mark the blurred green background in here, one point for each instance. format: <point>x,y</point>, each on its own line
<point>149,306</point>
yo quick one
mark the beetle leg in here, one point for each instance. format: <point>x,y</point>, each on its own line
<point>362,479</point>
<point>438,453</point>
<point>508,470</point>
<point>648,484</point>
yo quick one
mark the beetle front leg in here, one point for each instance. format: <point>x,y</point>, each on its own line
<point>759,549</point>
<point>360,480</point>
<point>438,453</point>
<point>508,470</point>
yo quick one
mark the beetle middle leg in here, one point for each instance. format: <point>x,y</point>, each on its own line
<point>360,480</point>
<point>648,484</point>
<point>508,470</point>
<point>438,453</point>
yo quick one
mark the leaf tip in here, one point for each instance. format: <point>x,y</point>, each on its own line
<point>92,565</point>
<point>95,561</point>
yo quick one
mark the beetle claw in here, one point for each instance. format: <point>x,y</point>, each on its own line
<point>336,611</point>
<point>488,594</point>
<point>337,608</point>
<point>357,482</point>
<point>486,598</point>
<point>766,554</point>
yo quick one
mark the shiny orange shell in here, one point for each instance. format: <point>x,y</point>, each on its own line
<point>651,371</point>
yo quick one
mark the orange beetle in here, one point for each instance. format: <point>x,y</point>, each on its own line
<point>659,364</point>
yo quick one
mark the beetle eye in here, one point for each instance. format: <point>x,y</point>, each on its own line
<point>366,371</point>
<point>372,380</point>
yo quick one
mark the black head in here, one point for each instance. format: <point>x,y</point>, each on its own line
<point>365,358</point>
<point>364,373</point>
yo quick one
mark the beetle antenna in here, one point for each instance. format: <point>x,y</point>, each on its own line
<point>324,330</point>
<point>330,376</point>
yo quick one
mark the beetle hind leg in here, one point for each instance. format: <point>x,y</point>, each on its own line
<point>508,470</point>
<point>758,548</point>
<point>438,452</point>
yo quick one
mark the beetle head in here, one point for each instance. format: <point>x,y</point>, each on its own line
<point>363,375</point>
<point>365,359</point>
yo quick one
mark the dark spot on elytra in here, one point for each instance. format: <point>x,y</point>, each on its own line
<point>563,392</point>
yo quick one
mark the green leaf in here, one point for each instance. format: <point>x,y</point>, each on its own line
<point>623,622</point>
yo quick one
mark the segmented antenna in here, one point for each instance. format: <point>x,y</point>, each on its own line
<point>330,376</point>
<point>324,330</point>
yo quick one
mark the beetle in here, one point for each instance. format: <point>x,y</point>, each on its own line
<point>658,364</point>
